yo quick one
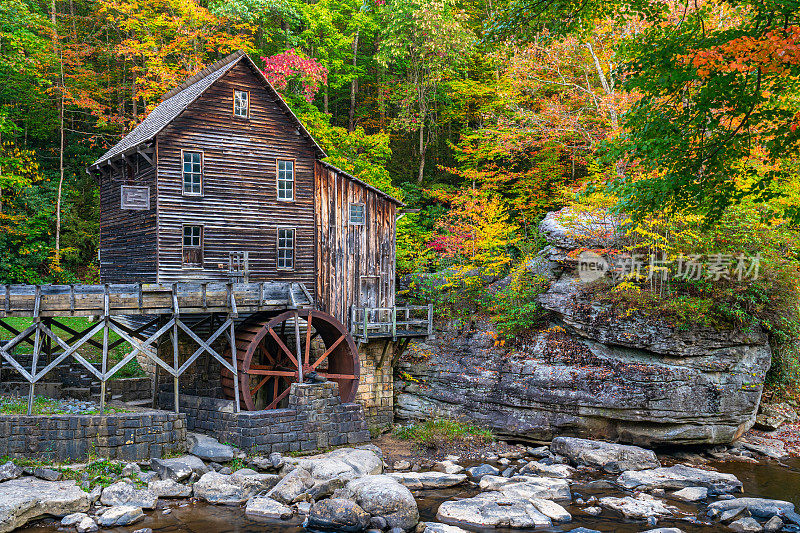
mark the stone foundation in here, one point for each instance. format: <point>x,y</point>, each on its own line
<point>376,389</point>
<point>126,436</point>
<point>315,420</point>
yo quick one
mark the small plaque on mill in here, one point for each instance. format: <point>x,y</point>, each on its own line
<point>135,198</point>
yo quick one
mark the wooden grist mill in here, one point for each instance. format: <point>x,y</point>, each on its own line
<point>227,243</point>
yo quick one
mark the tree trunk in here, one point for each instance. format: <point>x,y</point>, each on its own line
<point>351,125</point>
<point>57,51</point>
<point>325,100</point>
<point>422,150</point>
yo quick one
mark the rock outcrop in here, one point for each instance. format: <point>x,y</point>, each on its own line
<point>597,372</point>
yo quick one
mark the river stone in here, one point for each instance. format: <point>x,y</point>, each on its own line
<point>759,507</point>
<point>337,514</point>
<point>47,474</point>
<point>123,493</point>
<point>25,499</point>
<point>121,515</point>
<point>291,486</point>
<point>608,456</point>
<point>528,487</point>
<point>540,469</point>
<point>428,480</point>
<point>664,530</point>
<point>73,519</point>
<point>178,468</point>
<point>691,494</point>
<point>492,509</point>
<point>641,507</point>
<point>773,525</point>
<point>167,488</point>
<point>477,472</point>
<point>679,477</point>
<point>10,471</point>
<point>87,525</point>
<point>208,448</point>
<point>381,495</point>
<point>435,527</point>
<point>267,508</point>
<point>448,467</point>
<point>232,489</point>
<point>746,525</point>
<point>551,510</point>
<point>342,463</point>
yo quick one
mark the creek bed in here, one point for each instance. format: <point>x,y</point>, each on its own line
<point>767,479</point>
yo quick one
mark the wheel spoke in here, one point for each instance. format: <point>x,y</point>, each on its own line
<point>327,352</point>
<point>277,400</point>
<point>260,384</point>
<point>282,346</point>
<point>307,355</point>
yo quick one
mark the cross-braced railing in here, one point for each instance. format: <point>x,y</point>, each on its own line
<point>54,341</point>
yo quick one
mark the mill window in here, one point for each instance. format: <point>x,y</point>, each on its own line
<point>192,246</point>
<point>285,180</point>
<point>241,103</point>
<point>192,173</point>
<point>285,248</point>
<point>357,216</point>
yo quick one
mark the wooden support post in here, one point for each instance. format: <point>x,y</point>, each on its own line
<point>366,324</point>
<point>235,363</point>
<point>104,361</point>
<point>175,358</point>
<point>37,345</point>
<point>394,323</point>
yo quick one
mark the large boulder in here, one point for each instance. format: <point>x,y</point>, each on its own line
<point>381,495</point>
<point>26,499</point>
<point>680,477</point>
<point>121,515</point>
<point>428,480</point>
<point>123,493</point>
<point>342,463</point>
<point>266,507</point>
<point>10,471</point>
<point>166,488</point>
<point>337,514</point>
<point>759,507</point>
<point>208,448</point>
<point>614,458</point>
<point>295,483</point>
<point>495,510</point>
<point>178,468</point>
<point>528,487</point>
<point>233,489</point>
<point>641,507</point>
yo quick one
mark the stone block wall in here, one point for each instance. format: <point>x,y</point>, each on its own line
<point>126,436</point>
<point>376,389</point>
<point>130,389</point>
<point>315,420</point>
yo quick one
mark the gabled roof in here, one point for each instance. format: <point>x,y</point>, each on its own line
<point>363,183</point>
<point>178,99</point>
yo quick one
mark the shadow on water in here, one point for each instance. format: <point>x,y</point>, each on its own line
<point>766,480</point>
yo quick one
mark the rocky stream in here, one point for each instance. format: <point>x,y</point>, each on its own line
<point>571,485</point>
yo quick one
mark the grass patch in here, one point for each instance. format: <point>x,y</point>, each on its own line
<point>101,472</point>
<point>93,354</point>
<point>18,405</point>
<point>441,431</point>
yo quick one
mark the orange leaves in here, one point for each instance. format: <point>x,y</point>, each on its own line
<point>773,52</point>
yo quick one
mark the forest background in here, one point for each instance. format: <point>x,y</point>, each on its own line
<point>678,119</point>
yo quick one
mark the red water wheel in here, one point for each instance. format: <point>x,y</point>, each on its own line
<point>276,352</point>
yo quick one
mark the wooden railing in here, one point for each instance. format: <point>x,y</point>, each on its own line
<point>391,322</point>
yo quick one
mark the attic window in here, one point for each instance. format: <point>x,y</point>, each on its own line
<point>241,103</point>
<point>357,214</point>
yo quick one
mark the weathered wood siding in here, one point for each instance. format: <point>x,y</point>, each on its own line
<point>127,238</point>
<point>238,210</point>
<point>347,253</point>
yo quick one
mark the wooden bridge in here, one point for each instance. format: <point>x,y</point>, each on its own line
<point>167,310</point>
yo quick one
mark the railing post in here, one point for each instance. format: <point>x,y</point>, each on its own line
<point>104,361</point>
<point>430,320</point>
<point>366,325</point>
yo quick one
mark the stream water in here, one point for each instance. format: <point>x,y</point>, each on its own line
<point>766,479</point>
